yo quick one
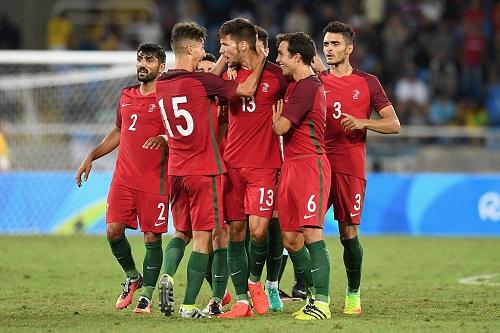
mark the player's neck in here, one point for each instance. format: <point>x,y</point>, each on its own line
<point>250,61</point>
<point>185,63</point>
<point>147,88</point>
<point>302,72</point>
<point>342,69</point>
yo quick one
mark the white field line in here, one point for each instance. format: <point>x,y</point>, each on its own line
<point>484,280</point>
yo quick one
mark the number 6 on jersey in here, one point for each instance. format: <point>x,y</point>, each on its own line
<point>178,112</point>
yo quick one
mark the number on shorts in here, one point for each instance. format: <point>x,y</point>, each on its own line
<point>311,205</point>
<point>357,206</point>
<point>269,194</point>
<point>161,217</point>
<point>134,120</point>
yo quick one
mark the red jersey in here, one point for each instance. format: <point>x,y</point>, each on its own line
<point>139,118</point>
<point>186,100</point>
<point>305,107</point>
<point>251,141</point>
<point>355,94</point>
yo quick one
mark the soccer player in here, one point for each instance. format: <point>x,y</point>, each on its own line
<point>139,190</point>
<point>351,95</point>
<point>217,273</point>
<point>253,159</point>
<point>305,174</point>
<point>195,168</point>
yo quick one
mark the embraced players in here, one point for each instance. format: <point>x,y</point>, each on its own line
<point>252,156</point>
<point>139,190</point>
<point>305,174</point>
<point>350,94</point>
<point>195,168</point>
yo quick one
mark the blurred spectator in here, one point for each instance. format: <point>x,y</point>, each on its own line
<point>59,31</point>
<point>412,97</point>
<point>9,34</point>
<point>442,110</point>
<point>297,19</point>
<point>4,152</point>
<point>493,99</point>
<point>475,115</point>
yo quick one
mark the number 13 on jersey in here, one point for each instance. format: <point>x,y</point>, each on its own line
<point>178,113</point>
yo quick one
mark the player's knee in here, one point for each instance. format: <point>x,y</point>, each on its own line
<point>237,231</point>
<point>115,231</point>
<point>258,234</point>
<point>220,239</point>
<point>151,237</point>
<point>184,235</point>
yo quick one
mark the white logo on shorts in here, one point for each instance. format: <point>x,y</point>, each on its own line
<point>352,214</point>
<point>157,224</point>
<point>309,216</point>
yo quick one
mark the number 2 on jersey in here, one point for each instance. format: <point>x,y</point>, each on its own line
<point>337,110</point>
<point>133,116</point>
<point>178,113</point>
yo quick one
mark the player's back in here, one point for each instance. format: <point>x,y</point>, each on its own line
<point>186,99</point>
<point>305,107</point>
<point>251,141</point>
<point>139,118</point>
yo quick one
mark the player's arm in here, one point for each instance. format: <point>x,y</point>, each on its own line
<point>107,145</point>
<point>247,88</point>
<point>281,125</point>
<point>387,124</point>
<point>317,65</point>
<point>219,66</point>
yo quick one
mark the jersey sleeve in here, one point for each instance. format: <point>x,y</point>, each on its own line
<point>300,102</point>
<point>216,86</point>
<point>378,98</point>
<point>118,116</point>
<point>283,82</point>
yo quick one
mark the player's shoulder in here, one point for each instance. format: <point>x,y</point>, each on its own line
<point>130,91</point>
<point>273,69</point>
<point>371,78</point>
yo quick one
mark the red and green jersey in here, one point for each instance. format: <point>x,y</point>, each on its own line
<point>356,94</point>
<point>138,116</point>
<point>305,107</point>
<point>251,142</point>
<point>186,100</point>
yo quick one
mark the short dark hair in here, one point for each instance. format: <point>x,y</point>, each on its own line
<point>299,42</point>
<point>239,29</point>
<point>209,57</point>
<point>154,50</point>
<point>262,35</point>
<point>340,28</point>
<point>186,31</point>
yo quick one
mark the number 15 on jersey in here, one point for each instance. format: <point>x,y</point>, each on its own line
<point>178,113</point>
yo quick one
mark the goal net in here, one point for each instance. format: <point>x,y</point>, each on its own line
<point>55,106</point>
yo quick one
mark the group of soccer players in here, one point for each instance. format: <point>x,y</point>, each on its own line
<point>207,138</point>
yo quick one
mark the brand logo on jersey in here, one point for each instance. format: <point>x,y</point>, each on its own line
<point>125,104</point>
<point>151,107</point>
<point>355,94</point>
<point>265,87</point>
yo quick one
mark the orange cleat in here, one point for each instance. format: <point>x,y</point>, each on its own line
<point>259,298</point>
<point>129,287</point>
<point>144,306</point>
<point>238,310</point>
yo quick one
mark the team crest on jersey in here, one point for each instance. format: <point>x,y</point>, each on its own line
<point>355,94</point>
<point>152,107</point>
<point>265,87</point>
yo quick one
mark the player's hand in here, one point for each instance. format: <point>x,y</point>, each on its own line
<point>277,110</point>
<point>84,168</point>
<point>350,123</point>
<point>232,74</point>
<point>155,142</point>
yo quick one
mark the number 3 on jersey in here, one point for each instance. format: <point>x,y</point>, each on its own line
<point>337,110</point>
<point>178,112</point>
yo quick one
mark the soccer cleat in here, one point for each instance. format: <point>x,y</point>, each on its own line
<point>226,299</point>
<point>315,310</point>
<point>129,287</point>
<point>308,300</point>
<point>238,310</point>
<point>144,306</point>
<point>191,312</point>
<point>259,298</point>
<point>166,293</point>
<point>352,305</point>
<point>273,297</point>
<point>299,290</point>
<point>213,308</point>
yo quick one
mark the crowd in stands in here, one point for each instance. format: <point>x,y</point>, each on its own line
<point>437,59</point>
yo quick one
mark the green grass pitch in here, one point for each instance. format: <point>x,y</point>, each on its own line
<point>70,284</point>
